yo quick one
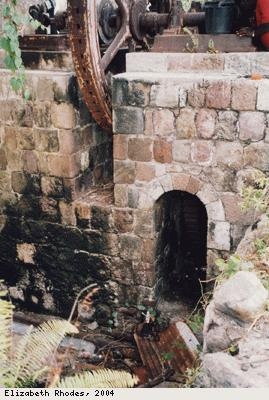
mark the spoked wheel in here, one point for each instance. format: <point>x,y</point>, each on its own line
<point>93,24</point>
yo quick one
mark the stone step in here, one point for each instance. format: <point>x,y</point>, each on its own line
<point>241,64</point>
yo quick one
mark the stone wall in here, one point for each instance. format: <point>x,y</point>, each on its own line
<point>190,122</point>
<point>64,225</point>
<point>51,154</point>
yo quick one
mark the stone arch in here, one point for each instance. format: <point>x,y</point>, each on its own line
<point>188,183</point>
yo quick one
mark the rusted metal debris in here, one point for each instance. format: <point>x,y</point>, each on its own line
<point>176,349</point>
<point>45,42</point>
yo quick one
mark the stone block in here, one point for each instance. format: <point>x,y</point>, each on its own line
<point>44,89</point>
<point>144,223</point>
<point>164,95</point>
<point>140,149</point>
<point>145,201</point>
<point>226,125</point>
<point>42,114</point>
<point>148,251</point>
<point>256,156</point>
<point>144,274</point>
<point>149,128</point>
<point>138,94</point>
<point>218,237</point>
<point>52,186</point>
<point>233,210</point>
<point>67,213</point>
<point>128,120</point>
<point>46,139</point>
<point>3,159</point>
<point>49,209</point>
<point>166,182</point>
<point>244,95</point>
<point>181,150</point>
<point>205,123</point>
<point>251,126</point>
<point>70,141</point>
<point>207,194</point>
<point>101,218</point>
<point>133,196</point>
<point>185,124</point>
<point>63,116</point>
<point>130,247</point>
<point>10,138</point>
<point>83,213</point>
<point>194,185</point>
<point>25,183</point>
<point>120,147</point>
<point>163,122</point>
<point>229,154</point>
<point>121,195</point>
<point>218,94</point>
<point>124,172</point>
<point>162,151</point>
<point>196,96</point>
<point>263,95</point>
<point>180,181</point>
<point>25,139</point>
<point>30,162</point>
<point>67,166</point>
<point>202,152</point>
<point>215,211</point>
<point>144,172</point>
<point>123,220</point>
<point>5,181</point>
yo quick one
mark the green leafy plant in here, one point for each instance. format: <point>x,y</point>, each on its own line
<point>196,321</point>
<point>33,357</point>
<point>255,194</point>
<point>13,26</point>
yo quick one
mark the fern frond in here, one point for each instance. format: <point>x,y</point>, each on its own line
<point>104,378</point>
<point>5,336</point>
<point>37,348</point>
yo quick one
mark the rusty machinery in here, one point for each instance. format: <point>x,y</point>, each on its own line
<point>102,31</point>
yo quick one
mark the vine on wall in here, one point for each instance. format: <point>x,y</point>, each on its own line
<point>14,23</point>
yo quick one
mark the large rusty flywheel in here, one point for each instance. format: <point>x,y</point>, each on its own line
<point>100,30</point>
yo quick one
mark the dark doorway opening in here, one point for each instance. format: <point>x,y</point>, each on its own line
<point>181,228</point>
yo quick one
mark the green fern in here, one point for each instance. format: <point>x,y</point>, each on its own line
<point>99,379</point>
<point>5,335</point>
<point>35,350</point>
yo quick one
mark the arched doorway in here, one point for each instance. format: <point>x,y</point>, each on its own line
<point>181,246</point>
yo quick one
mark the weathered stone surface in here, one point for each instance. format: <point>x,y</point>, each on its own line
<point>219,235</point>
<point>163,122</point>
<point>52,186</point>
<point>124,171</point>
<point>69,141</point>
<point>256,156</point>
<point>164,95</point>
<point>128,120</point>
<point>196,96</point>
<point>251,126</point>
<point>215,211</point>
<point>202,152</point>
<point>244,94</point>
<point>42,114</point>
<point>67,166</point>
<point>63,116</point>
<point>140,149</point>
<point>242,296</point>
<point>205,123</point>
<point>120,147</point>
<point>143,223</point>
<point>226,126</point>
<point>3,159</point>
<point>121,195</point>
<point>144,172</point>
<point>123,220</point>
<point>218,94</point>
<point>181,150</point>
<point>30,162</point>
<point>46,140</point>
<point>229,154</point>
<point>185,125</point>
<point>23,182</point>
<point>233,209</point>
<point>130,247</point>
<point>25,139</point>
<point>263,95</point>
<point>162,151</point>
